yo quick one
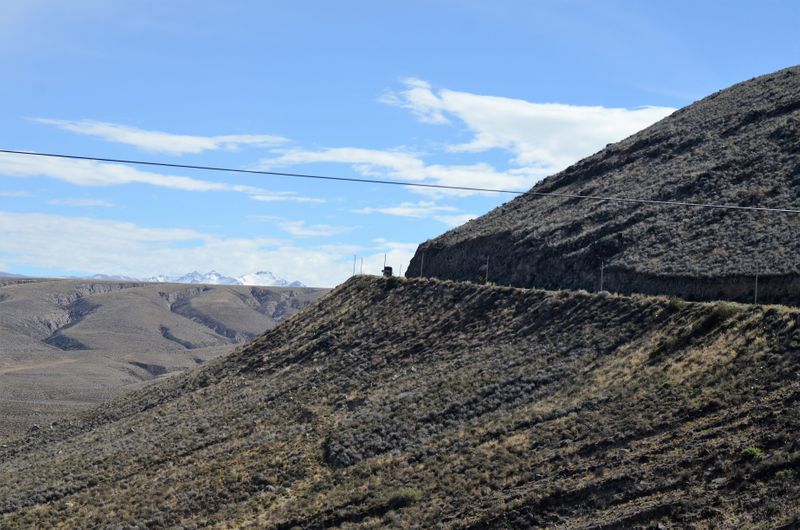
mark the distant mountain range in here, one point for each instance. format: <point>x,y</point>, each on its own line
<point>260,278</point>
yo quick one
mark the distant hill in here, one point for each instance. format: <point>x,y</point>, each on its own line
<point>424,404</point>
<point>740,146</point>
<point>69,344</point>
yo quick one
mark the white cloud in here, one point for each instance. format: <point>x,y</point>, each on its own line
<point>416,210</point>
<point>81,203</point>
<point>278,196</point>
<point>15,194</point>
<point>547,136</point>
<point>162,142</point>
<point>449,215</point>
<point>407,167</point>
<point>541,138</point>
<point>92,173</point>
<point>114,247</point>
<point>300,229</point>
<point>368,162</point>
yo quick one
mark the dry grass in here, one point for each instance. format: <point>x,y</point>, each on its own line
<point>398,403</point>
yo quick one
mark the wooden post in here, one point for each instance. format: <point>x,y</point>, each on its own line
<point>487,270</point>
<point>354,265</point>
<point>421,263</point>
<point>362,265</point>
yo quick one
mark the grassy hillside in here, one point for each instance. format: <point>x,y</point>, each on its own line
<point>393,403</point>
<point>740,146</point>
<point>70,344</point>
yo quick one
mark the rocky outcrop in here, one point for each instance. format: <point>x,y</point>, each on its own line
<point>740,146</point>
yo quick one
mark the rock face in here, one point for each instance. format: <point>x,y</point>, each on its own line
<point>740,146</point>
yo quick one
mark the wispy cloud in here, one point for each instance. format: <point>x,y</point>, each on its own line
<point>81,203</point>
<point>90,173</point>
<point>279,196</point>
<point>162,142</point>
<point>115,247</point>
<point>406,167</point>
<point>549,136</point>
<point>449,215</point>
<point>301,229</point>
<point>416,210</point>
<point>15,194</point>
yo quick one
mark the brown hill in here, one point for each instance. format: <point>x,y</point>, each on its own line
<point>740,146</point>
<point>67,345</point>
<point>422,403</point>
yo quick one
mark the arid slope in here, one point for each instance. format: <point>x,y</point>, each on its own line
<point>394,403</point>
<point>740,146</point>
<point>69,344</point>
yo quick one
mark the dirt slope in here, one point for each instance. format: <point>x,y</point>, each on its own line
<point>739,146</point>
<point>394,403</point>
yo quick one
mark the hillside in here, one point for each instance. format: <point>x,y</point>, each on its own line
<point>69,344</point>
<point>740,146</point>
<point>390,403</point>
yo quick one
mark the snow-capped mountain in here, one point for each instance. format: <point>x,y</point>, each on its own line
<point>211,277</point>
<point>260,278</point>
<point>266,278</point>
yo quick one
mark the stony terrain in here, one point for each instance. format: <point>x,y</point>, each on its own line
<point>69,344</point>
<point>397,403</point>
<point>740,146</point>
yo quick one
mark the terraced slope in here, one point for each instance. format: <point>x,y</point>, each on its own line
<point>394,403</point>
<point>740,146</point>
<point>69,344</point>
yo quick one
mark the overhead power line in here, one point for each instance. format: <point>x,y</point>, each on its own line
<point>655,202</point>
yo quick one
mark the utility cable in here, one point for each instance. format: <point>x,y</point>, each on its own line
<point>656,202</point>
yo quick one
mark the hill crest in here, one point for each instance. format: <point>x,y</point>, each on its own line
<point>394,402</point>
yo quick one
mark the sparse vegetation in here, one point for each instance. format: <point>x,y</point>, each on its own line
<point>473,410</point>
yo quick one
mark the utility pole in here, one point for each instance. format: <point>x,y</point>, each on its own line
<point>487,270</point>
<point>362,265</point>
<point>421,263</point>
<point>354,265</point>
<point>755,290</point>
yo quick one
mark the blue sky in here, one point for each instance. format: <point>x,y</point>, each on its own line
<point>495,94</point>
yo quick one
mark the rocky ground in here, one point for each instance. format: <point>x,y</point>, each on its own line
<point>435,404</point>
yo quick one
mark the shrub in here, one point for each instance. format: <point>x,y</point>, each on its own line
<point>405,497</point>
<point>752,453</point>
